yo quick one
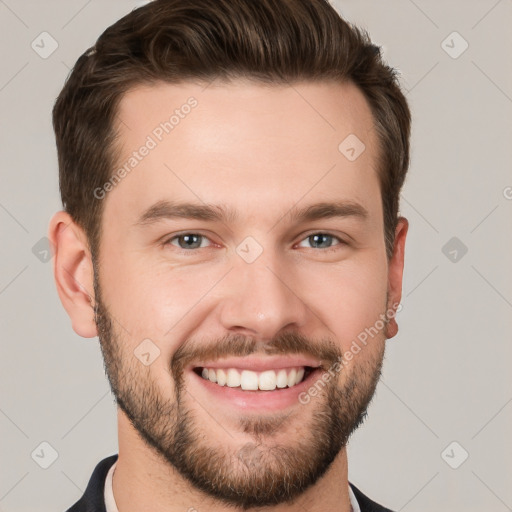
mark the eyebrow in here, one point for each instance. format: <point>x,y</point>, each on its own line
<point>168,210</point>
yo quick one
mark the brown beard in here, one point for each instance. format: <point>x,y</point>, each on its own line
<point>261,472</point>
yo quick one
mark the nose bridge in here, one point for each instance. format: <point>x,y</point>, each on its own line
<point>260,297</point>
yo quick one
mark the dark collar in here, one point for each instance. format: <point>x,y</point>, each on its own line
<point>365,503</point>
<point>93,499</point>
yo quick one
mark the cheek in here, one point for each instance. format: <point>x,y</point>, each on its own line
<point>155,301</point>
<point>350,298</point>
<point>136,298</point>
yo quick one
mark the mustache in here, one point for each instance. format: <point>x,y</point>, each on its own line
<point>237,345</point>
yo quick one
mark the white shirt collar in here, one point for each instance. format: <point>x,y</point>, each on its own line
<point>110,502</point>
<point>353,501</point>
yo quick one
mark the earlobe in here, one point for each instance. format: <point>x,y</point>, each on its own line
<point>73,272</point>
<point>395,273</point>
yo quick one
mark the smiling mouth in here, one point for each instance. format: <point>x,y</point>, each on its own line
<point>248,380</point>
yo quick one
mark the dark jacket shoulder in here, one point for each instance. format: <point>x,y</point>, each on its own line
<point>365,503</point>
<point>93,499</point>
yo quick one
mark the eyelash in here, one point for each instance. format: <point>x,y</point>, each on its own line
<point>191,251</point>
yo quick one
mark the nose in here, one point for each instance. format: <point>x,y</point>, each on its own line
<point>262,298</point>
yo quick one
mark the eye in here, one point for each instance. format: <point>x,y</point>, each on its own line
<point>323,239</point>
<point>188,241</point>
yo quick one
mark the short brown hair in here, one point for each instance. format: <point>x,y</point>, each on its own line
<point>172,41</point>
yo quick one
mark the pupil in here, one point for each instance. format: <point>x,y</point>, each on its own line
<point>190,238</point>
<point>316,237</point>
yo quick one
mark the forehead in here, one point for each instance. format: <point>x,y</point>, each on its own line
<point>259,148</point>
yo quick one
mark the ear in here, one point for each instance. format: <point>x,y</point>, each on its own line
<point>73,272</point>
<point>395,273</point>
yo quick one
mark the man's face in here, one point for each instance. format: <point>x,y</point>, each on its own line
<point>262,298</point>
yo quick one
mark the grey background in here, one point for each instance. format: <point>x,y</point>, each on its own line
<point>446,375</point>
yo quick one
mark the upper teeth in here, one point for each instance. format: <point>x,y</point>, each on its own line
<point>249,380</point>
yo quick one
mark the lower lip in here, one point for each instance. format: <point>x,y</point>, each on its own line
<point>257,400</point>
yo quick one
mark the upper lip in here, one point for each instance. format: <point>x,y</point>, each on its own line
<point>260,363</point>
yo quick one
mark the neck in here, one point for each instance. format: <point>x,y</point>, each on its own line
<point>143,480</point>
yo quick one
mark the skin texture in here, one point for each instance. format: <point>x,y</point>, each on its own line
<point>260,150</point>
